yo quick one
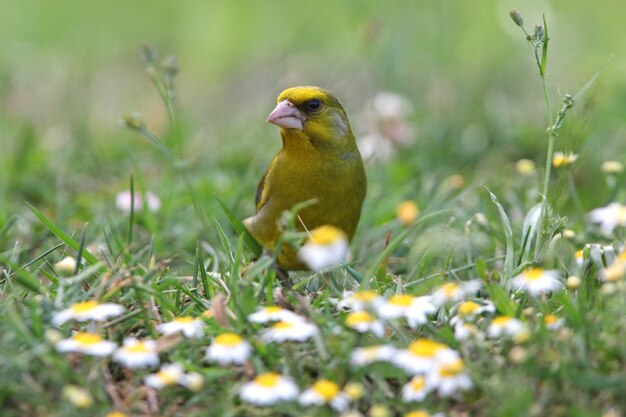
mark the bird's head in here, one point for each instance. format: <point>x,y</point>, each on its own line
<point>313,111</point>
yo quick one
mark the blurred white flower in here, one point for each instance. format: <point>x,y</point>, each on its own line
<point>188,326</point>
<point>364,356</point>
<point>79,397</point>
<point>552,322</point>
<point>325,392</point>
<point>327,246</point>
<point>169,374</point>
<point>386,125</point>
<point>65,266</point>
<point>137,353</point>
<point>453,292</point>
<point>296,331</point>
<point>364,322</point>
<point>229,348</point>
<point>450,377</point>
<point>508,326</point>
<point>561,159</point>
<point>360,300</point>
<point>609,217</point>
<point>416,389</point>
<point>423,355</point>
<point>536,281</point>
<point>268,389</point>
<point>464,331</point>
<point>87,343</point>
<point>273,313</point>
<point>87,310</point>
<point>414,309</point>
<point>125,201</point>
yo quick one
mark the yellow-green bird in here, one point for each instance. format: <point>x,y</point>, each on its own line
<point>319,160</point>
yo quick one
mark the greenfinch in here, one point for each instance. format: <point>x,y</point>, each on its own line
<point>319,161</point>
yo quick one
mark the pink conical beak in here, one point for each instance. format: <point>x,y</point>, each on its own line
<point>287,116</point>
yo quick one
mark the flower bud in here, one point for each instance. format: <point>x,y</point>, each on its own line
<point>148,55</point>
<point>612,167</point>
<point>517,18</point>
<point>133,121</point>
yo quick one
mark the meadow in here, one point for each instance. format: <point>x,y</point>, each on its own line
<point>486,277</point>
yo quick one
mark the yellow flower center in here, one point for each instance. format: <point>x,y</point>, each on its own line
<point>579,254</point>
<point>138,347</point>
<point>407,212</point>
<point>468,307</point>
<point>450,289</point>
<point>326,389</point>
<point>451,369</point>
<point>403,300</point>
<point>87,338</point>
<point>550,319</point>
<point>622,257</point>
<point>500,321</point>
<point>167,377</point>
<point>418,414</point>
<point>365,296</point>
<point>621,214</point>
<point>326,235</point>
<point>425,347</point>
<point>359,317</point>
<point>184,320</point>
<point>228,339</point>
<point>282,325</point>
<point>534,274</point>
<point>418,383</point>
<point>84,306</point>
<point>273,309</point>
<point>116,414</point>
<point>268,380</point>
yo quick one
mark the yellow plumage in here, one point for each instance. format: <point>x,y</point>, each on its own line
<point>319,160</point>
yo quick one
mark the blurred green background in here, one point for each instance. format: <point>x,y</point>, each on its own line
<point>70,70</point>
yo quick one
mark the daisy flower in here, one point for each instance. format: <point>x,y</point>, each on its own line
<point>453,292</point>
<point>367,355</point>
<point>298,331</point>
<point>364,322</point>
<point>609,217</point>
<point>536,281</point>
<point>65,266</point>
<point>507,326</point>
<point>450,377</point>
<point>423,413</point>
<point>192,380</point>
<point>423,355</point>
<point>268,389</point>
<point>326,247</point>
<point>464,331</point>
<point>87,310</point>
<point>169,374</point>
<point>325,392</point>
<point>552,322</point>
<point>87,343</point>
<point>137,353</point>
<point>188,326</point>
<point>360,300</point>
<point>415,309</point>
<point>126,200</point>
<point>468,310</point>
<point>273,313</point>
<point>416,389</point>
<point>407,212</point>
<point>562,159</point>
<point>229,348</point>
<point>78,396</point>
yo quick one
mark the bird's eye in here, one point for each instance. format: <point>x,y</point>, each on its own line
<point>314,104</point>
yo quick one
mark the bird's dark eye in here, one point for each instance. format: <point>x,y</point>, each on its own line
<point>314,104</point>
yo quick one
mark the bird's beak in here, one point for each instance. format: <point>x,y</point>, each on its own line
<point>287,116</point>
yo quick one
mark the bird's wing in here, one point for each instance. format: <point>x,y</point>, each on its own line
<point>262,191</point>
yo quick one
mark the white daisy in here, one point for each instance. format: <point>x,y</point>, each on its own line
<point>450,377</point>
<point>268,389</point>
<point>229,348</point>
<point>416,389</point>
<point>552,322</point>
<point>453,292</point>
<point>137,353</point>
<point>87,343</point>
<point>464,331</point>
<point>188,326</point>
<point>360,300</point>
<point>273,313</point>
<point>325,392</point>
<point>87,310</point>
<point>536,281</point>
<point>298,331</point>
<point>423,413</point>
<point>78,396</point>
<point>364,322</point>
<point>326,247</point>
<point>414,309</point>
<point>367,355</point>
<point>423,355</point>
<point>507,326</point>
<point>609,217</point>
<point>169,374</point>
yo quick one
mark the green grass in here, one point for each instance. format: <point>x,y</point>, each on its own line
<point>201,144</point>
